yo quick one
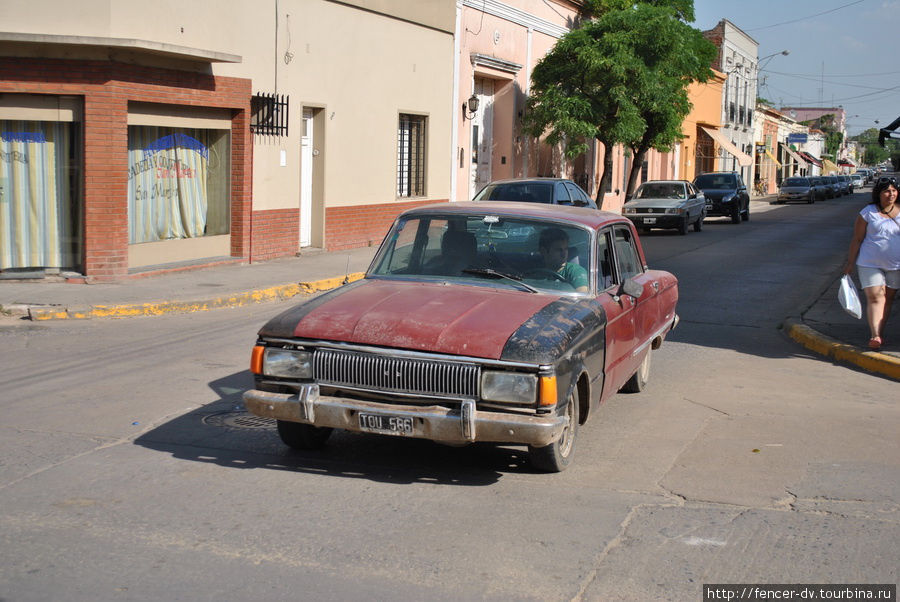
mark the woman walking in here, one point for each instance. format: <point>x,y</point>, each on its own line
<point>875,251</point>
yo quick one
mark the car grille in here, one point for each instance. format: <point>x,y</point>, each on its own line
<point>396,375</point>
<point>640,210</point>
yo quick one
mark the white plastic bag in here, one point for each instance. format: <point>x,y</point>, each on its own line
<point>849,298</point>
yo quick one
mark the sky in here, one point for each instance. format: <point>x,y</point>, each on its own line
<point>842,53</point>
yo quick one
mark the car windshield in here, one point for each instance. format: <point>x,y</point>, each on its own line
<point>528,192</point>
<point>712,180</point>
<point>796,182</point>
<point>661,190</point>
<point>527,254</point>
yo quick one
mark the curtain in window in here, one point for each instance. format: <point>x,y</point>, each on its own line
<point>37,213</point>
<point>167,183</point>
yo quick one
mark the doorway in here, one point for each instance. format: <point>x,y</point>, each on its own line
<point>482,135</point>
<point>306,178</point>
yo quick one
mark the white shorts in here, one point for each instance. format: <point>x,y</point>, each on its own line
<point>869,277</point>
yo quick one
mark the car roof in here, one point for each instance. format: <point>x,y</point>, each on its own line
<point>591,218</point>
<point>535,179</point>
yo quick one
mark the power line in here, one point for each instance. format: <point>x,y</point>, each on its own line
<point>805,18</point>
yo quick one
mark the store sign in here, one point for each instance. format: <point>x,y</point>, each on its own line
<point>798,138</point>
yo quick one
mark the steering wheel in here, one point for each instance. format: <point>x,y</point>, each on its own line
<point>546,273</point>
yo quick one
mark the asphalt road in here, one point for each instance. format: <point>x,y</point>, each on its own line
<point>129,471</point>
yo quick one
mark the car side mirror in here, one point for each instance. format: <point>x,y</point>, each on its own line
<point>631,287</point>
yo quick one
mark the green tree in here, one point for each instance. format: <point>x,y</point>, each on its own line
<point>872,153</point>
<point>621,78</point>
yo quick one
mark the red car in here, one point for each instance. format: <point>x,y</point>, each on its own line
<point>488,321</point>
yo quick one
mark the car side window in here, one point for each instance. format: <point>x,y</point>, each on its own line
<point>575,193</point>
<point>562,195</point>
<point>627,258</point>
<point>605,259</point>
<point>740,182</point>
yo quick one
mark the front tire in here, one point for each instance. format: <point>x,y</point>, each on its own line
<point>638,381</point>
<point>698,225</point>
<point>683,226</point>
<point>557,456</point>
<point>736,213</point>
<point>745,216</point>
<point>297,435</point>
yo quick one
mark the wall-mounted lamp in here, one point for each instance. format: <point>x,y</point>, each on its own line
<point>470,107</point>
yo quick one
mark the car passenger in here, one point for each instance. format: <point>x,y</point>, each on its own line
<point>458,251</point>
<point>554,248</point>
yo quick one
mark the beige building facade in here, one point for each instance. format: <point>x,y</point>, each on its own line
<point>176,135</point>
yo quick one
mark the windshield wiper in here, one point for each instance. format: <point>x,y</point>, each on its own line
<point>495,274</point>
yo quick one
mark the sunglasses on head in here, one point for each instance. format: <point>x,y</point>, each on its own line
<point>885,181</point>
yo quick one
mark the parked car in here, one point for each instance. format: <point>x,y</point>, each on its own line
<point>848,183</point>
<point>667,204</point>
<point>726,195</point>
<point>554,191</point>
<point>866,174</point>
<point>551,311</point>
<point>838,186</point>
<point>858,180</point>
<point>826,185</point>
<point>798,189</point>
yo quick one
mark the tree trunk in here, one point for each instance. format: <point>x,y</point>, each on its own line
<point>606,178</point>
<point>636,166</point>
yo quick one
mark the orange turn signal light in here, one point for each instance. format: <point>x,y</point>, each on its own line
<point>547,391</point>
<point>256,359</point>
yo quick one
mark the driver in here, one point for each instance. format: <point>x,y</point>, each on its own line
<point>554,248</point>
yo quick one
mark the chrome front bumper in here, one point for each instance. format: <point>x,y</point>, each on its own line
<point>436,423</point>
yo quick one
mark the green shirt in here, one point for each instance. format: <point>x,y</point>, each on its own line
<point>574,274</point>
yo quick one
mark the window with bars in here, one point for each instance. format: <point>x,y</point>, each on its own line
<point>411,156</point>
<point>269,114</point>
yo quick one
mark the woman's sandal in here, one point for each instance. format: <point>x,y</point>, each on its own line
<point>875,343</point>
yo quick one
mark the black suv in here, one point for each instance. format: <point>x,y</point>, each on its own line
<point>725,194</point>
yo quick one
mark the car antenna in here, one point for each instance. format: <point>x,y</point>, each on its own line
<point>347,271</point>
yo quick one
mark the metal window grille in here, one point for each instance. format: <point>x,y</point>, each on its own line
<point>731,112</point>
<point>269,114</point>
<point>411,156</point>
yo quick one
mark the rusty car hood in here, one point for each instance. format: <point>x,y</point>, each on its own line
<point>457,320</point>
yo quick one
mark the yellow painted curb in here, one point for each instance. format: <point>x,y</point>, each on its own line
<point>274,293</point>
<point>871,361</point>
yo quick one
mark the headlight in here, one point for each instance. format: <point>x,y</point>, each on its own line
<point>508,387</point>
<point>727,198</point>
<point>675,210</point>
<point>630,211</point>
<point>287,363</point>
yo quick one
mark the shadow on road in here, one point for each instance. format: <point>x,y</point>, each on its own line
<point>223,433</point>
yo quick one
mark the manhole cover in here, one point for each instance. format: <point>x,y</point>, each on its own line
<point>239,420</point>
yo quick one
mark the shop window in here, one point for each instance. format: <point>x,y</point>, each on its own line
<point>178,183</point>
<point>40,198</point>
<point>411,156</point>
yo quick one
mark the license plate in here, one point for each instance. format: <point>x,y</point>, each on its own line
<point>386,424</point>
<point>649,220</point>
<point>709,205</point>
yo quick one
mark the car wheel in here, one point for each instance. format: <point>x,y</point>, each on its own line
<point>557,456</point>
<point>698,225</point>
<point>736,213</point>
<point>745,216</point>
<point>683,226</point>
<point>297,435</point>
<point>638,381</point>
<point>810,199</point>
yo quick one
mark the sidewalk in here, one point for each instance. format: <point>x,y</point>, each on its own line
<point>823,327</point>
<point>827,329</point>
<point>227,285</point>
